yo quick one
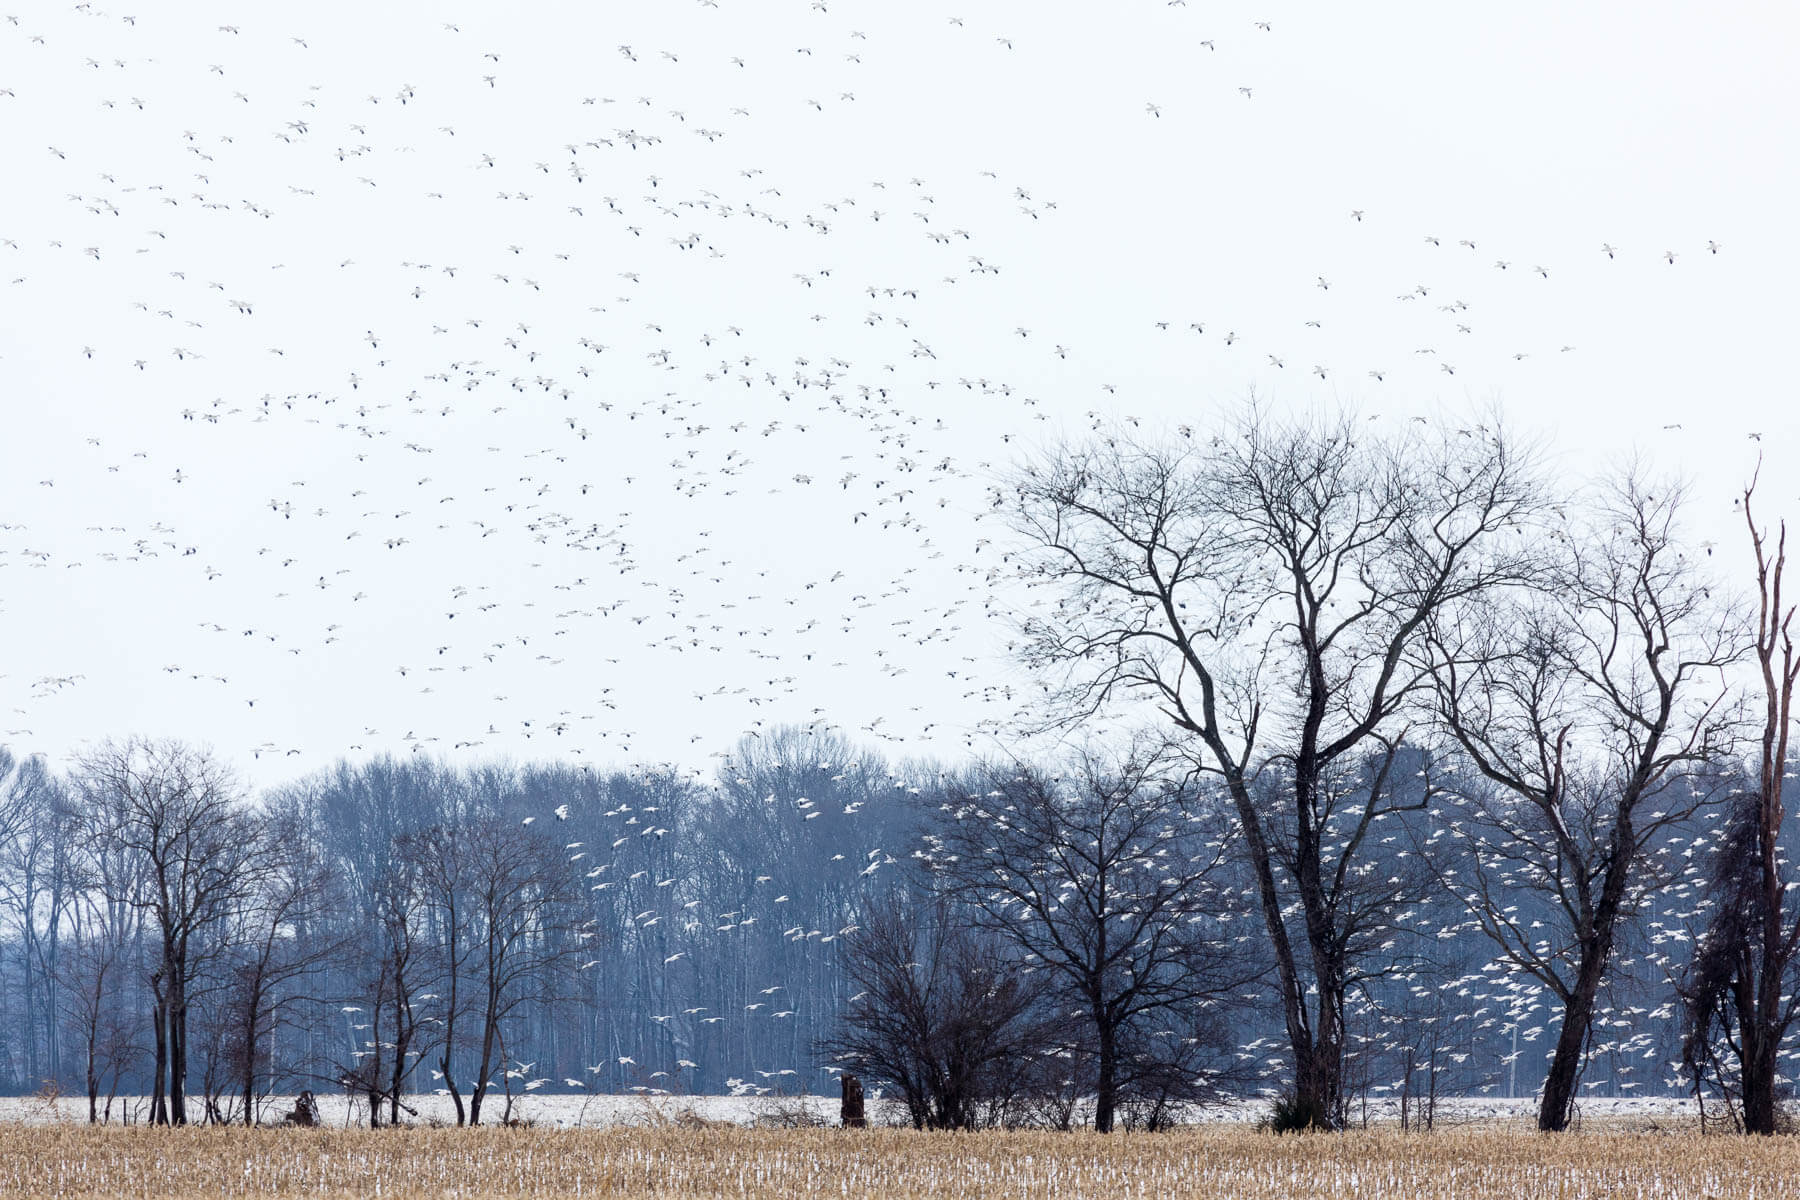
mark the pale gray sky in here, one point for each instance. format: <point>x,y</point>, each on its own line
<point>571,304</point>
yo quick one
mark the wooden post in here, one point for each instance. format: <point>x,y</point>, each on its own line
<point>850,1112</point>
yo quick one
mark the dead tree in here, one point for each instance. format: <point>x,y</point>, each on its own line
<point>280,948</point>
<point>1596,710</point>
<point>522,903</point>
<point>438,859</point>
<point>1263,587</point>
<point>175,811</point>
<point>39,887</point>
<point>1740,995</point>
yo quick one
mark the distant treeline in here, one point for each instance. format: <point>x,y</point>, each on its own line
<point>398,927</point>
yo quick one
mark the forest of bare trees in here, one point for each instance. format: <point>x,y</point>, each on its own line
<point>1301,601</point>
<point>1442,778</point>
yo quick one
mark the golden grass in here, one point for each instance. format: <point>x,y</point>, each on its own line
<point>1223,1161</point>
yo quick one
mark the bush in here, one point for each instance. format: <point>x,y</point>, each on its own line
<point>1294,1114</point>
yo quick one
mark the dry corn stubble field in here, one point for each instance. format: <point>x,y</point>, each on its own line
<point>1233,1162</point>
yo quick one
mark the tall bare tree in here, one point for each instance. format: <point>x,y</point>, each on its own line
<point>437,863</point>
<point>89,976</point>
<point>1263,588</point>
<point>177,812</point>
<point>401,947</point>
<point>1597,709</point>
<point>1741,995</point>
<point>103,928</point>
<point>522,895</point>
<point>280,947</point>
<point>38,884</point>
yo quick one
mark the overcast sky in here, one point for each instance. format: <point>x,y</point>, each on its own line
<point>602,380</point>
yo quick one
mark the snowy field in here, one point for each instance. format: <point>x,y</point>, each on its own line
<point>563,1111</point>
<point>607,1111</point>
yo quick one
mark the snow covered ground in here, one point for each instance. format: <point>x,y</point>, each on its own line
<point>597,1111</point>
<point>606,1111</point>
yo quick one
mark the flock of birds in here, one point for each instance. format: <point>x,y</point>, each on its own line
<point>467,387</point>
<point>329,333</point>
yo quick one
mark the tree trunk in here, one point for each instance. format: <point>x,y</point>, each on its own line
<point>1406,1088</point>
<point>1325,1097</point>
<point>450,1084</point>
<point>450,1033</point>
<point>1762,970</point>
<point>93,1078</point>
<point>1293,998</point>
<point>53,1027</point>
<point>1556,1108</point>
<point>1758,1041</point>
<point>397,1082</point>
<point>484,1066</point>
<point>178,1047</point>
<point>33,1069</point>
<point>253,1005</point>
<point>1319,1089</point>
<point>1106,1089</point>
<point>249,1080</point>
<point>159,1109</point>
<point>1759,1089</point>
<point>399,1074</point>
<point>1318,1082</point>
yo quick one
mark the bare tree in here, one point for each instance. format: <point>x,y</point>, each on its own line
<point>438,862</point>
<point>1111,881</point>
<point>89,975</point>
<point>103,929</point>
<point>1597,710</point>
<point>38,884</point>
<point>401,943</point>
<point>175,811</point>
<point>1263,588</point>
<point>397,948</point>
<point>941,1015</point>
<point>1740,994</point>
<point>520,902</point>
<point>22,783</point>
<point>279,948</point>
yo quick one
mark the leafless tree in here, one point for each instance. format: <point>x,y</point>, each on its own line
<point>1263,588</point>
<point>519,901</point>
<point>279,947</point>
<point>941,1015</point>
<point>38,884</point>
<point>438,862</point>
<point>103,928</point>
<point>1741,995</point>
<point>402,945</point>
<point>175,811</point>
<point>1597,711</point>
<point>1111,882</point>
<point>383,1056</point>
<point>89,976</point>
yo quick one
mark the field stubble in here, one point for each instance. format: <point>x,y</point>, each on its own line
<point>719,1161</point>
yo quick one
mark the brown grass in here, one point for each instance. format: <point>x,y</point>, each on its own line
<point>1221,1161</point>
